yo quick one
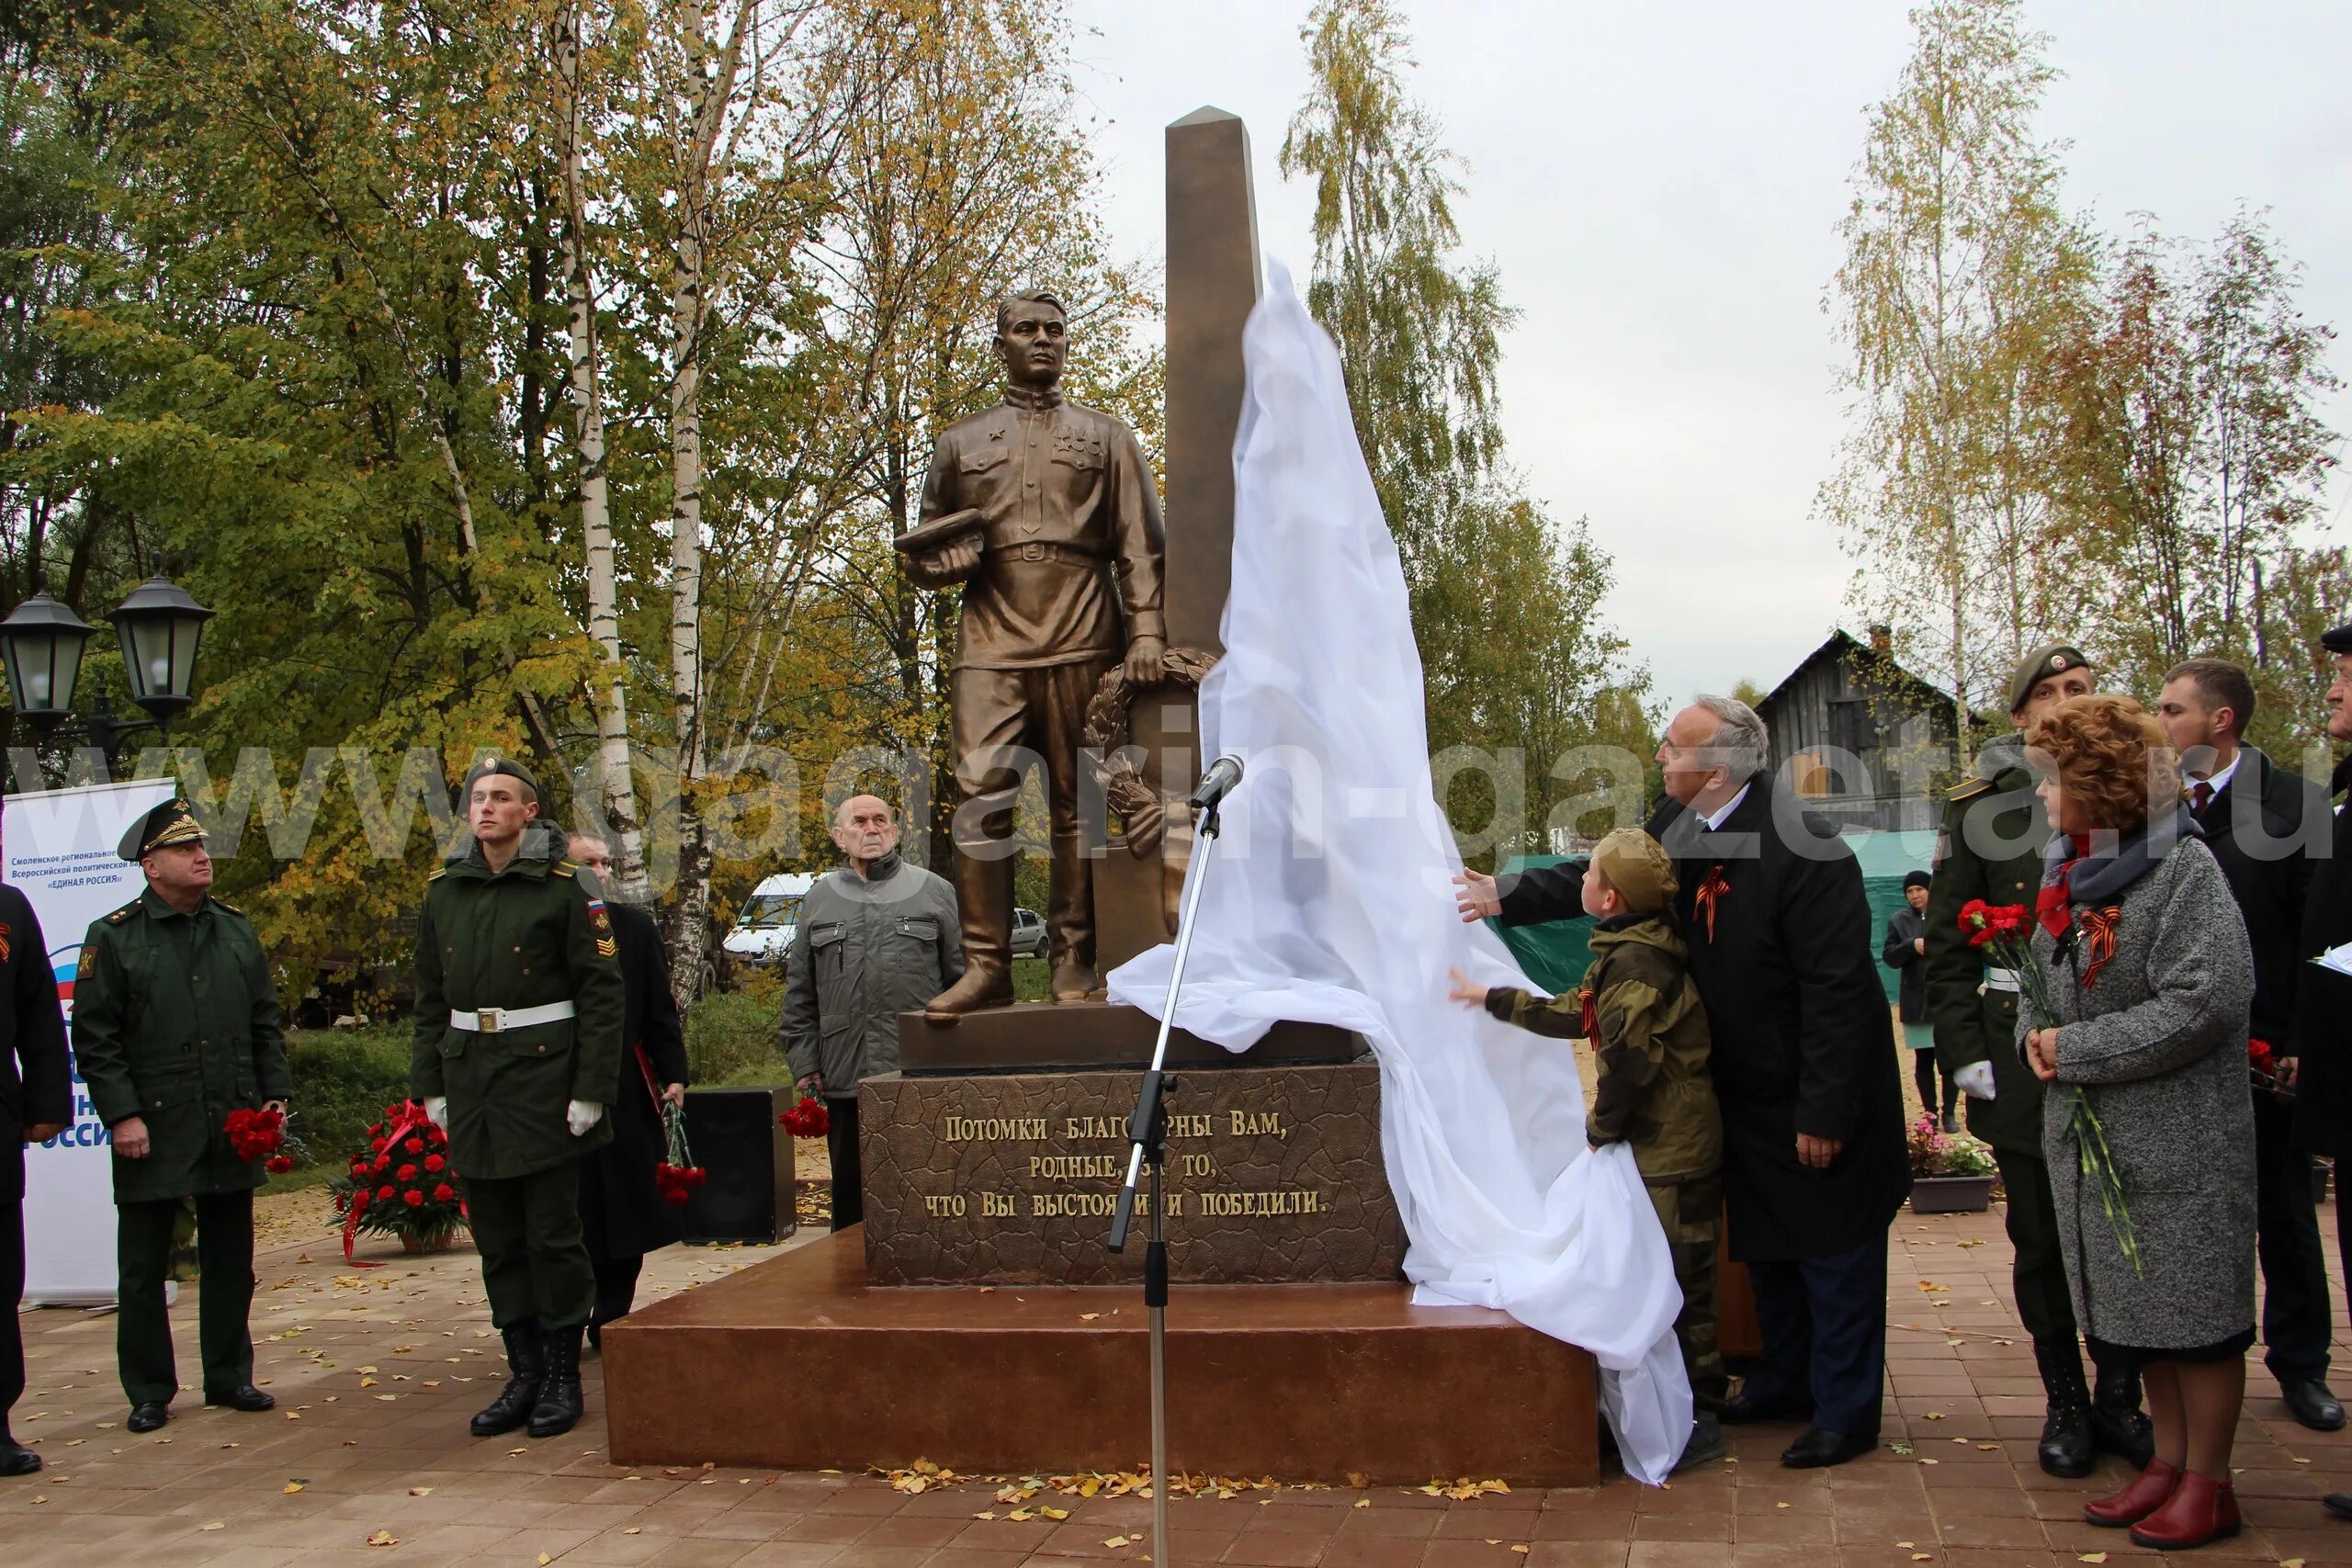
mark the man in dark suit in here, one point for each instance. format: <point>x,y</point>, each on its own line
<point>621,1210</point>
<point>36,1104</point>
<point>2263,824</point>
<point>1815,1164</point>
<point>2323,1029</point>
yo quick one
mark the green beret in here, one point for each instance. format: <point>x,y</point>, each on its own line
<point>171,823</point>
<point>494,765</point>
<point>2049,659</point>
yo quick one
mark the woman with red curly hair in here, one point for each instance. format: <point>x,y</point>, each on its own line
<point>2144,961</point>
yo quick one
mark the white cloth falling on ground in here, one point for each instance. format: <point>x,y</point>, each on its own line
<point>1330,902</point>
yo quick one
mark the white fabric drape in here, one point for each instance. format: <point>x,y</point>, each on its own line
<point>1330,902</point>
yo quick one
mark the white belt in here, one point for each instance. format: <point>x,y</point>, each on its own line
<point>2002,980</point>
<point>495,1021</point>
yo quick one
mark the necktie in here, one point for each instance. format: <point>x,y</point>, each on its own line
<point>2201,796</point>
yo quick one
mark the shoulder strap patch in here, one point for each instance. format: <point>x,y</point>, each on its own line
<point>436,874</point>
<point>564,868</point>
<point>224,904</point>
<point>122,914</point>
<point>1968,790</point>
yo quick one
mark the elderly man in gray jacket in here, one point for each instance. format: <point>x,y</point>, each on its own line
<point>877,938</point>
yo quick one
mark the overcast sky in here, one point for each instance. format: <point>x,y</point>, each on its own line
<point>1659,185</point>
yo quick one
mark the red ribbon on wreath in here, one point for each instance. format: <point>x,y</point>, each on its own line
<point>414,1121</point>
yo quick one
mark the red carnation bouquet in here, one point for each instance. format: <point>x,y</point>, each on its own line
<point>264,1135</point>
<point>677,1177</point>
<point>809,1119</point>
<point>2263,1066</point>
<point>401,1184</point>
<point>2004,932</point>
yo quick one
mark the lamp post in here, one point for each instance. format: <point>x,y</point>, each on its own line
<point>41,643</point>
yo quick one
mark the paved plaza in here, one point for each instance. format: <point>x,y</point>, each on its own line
<point>377,1370</point>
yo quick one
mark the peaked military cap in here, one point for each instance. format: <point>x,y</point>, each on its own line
<point>171,823</point>
<point>495,766</point>
<point>2337,639</point>
<point>2049,659</point>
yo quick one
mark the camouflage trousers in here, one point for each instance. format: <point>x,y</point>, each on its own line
<point>1690,1214</point>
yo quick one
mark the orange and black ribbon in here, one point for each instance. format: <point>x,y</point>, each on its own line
<point>1709,894</point>
<point>1591,1015</point>
<point>2098,931</point>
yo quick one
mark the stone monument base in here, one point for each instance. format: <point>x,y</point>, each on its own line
<point>798,1363</point>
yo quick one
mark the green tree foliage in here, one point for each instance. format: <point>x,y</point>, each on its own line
<point>1505,601</point>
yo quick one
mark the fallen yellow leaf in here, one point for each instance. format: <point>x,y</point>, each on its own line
<point>384,1537</point>
<point>1364,1503</point>
<point>1053,1513</point>
<point>290,1488</point>
<point>420,1491</point>
<point>1115,1542</point>
<point>214,1525</point>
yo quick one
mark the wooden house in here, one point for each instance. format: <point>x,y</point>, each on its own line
<point>1865,742</point>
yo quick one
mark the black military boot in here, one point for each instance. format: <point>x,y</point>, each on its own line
<point>2067,1448</point>
<point>527,1361</point>
<point>2118,1425</point>
<point>560,1403</point>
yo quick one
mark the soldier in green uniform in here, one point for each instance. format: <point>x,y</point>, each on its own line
<point>176,1024</point>
<point>1994,830</point>
<point>519,1007</point>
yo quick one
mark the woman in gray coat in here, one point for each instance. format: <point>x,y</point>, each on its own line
<point>2146,964</point>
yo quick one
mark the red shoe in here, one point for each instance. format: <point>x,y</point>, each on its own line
<point>2150,1491</point>
<point>2199,1510</point>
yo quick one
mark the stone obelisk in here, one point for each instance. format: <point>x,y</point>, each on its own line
<point>1212,286</point>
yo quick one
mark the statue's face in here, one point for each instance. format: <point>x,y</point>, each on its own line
<point>1033,344</point>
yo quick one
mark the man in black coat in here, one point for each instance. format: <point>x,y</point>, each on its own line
<point>1814,1162</point>
<point>36,1104</point>
<point>2263,824</point>
<point>621,1210</point>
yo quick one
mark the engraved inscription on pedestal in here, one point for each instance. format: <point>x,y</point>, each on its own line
<point>1274,1176</point>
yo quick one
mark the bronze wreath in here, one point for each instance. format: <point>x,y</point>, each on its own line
<point>1134,802</point>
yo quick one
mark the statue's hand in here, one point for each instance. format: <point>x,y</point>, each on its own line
<point>952,562</point>
<point>1145,662</point>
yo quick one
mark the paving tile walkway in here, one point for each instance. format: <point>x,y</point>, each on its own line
<point>377,1370</point>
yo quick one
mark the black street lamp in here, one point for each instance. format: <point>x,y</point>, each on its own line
<point>41,643</point>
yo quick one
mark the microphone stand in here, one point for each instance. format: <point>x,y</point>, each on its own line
<point>1148,1134</point>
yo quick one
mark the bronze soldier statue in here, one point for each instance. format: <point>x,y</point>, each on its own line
<point>1046,513</point>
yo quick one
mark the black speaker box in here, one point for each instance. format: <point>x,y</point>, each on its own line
<point>746,1157</point>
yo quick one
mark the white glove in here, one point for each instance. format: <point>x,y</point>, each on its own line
<point>436,1108</point>
<point>583,1114</point>
<point>1974,1080</point>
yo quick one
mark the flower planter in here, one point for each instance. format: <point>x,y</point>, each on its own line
<point>448,1239</point>
<point>1951,1194</point>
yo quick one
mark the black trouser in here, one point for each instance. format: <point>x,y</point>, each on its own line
<point>1823,1326</point>
<point>849,1177</point>
<point>12,1269</point>
<point>142,1329</point>
<point>2294,1272</point>
<point>2038,1262</point>
<point>534,1263</point>
<point>1925,1070</point>
<point>615,1286</point>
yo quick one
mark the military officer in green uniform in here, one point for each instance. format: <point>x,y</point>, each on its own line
<point>1994,830</point>
<point>519,1007</point>
<point>176,1024</point>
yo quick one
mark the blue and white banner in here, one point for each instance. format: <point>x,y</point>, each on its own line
<point>58,847</point>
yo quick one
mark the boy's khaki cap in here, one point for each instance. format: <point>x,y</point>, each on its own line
<point>1636,866</point>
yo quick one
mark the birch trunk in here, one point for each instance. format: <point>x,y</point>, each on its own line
<point>709,85</point>
<point>611,700</point>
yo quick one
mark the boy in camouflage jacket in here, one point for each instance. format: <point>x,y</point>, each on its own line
<point>1648,1030</point>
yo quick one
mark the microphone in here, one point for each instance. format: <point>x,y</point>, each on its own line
<point>1216,784</point>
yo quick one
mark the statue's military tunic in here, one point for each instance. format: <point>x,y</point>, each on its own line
<point>530,936</point>
<point>175,1021</point>
<point>1994,830</point>
<point>1069,574</point>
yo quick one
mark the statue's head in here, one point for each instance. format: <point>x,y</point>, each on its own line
<point>1032,338</point>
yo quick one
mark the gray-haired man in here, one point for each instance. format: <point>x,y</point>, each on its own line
<point>1814,1166</point>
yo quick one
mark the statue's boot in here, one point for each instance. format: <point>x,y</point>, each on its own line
<point>984,898</point>
<point>1069,920</point>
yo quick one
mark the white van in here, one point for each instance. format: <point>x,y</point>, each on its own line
<point>770,918</point>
